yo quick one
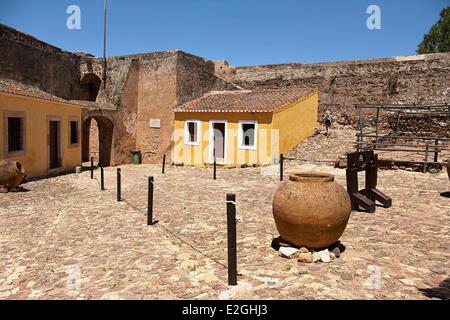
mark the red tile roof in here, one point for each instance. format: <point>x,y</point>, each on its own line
<point>20,89</point>
<point>261,100</point>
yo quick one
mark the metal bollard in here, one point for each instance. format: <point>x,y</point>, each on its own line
<point>164,164</point>
<point>231,227</point>
<point>150,220</point>
<point>102,178</point>
<point>92,168</point>
<point>281,166</point>
<point>215,169</point>
<point>119,185</point>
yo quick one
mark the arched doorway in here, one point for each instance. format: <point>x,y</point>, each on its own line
<point>90,84</point>
<point>97,139</point>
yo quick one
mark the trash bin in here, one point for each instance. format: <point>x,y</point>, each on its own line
<point>137,157</point>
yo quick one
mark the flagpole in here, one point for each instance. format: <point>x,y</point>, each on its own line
<point>104,43</point>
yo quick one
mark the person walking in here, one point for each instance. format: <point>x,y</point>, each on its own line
<point>328,119</point>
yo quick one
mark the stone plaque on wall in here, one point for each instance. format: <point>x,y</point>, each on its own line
<point>154,123</point>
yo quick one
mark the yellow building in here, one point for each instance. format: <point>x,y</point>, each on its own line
<point>38,129</point>
<point>243,127</point>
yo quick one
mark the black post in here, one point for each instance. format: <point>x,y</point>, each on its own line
<point>215,169</point>
<point>232,254</point>
<point>164,164</point>
<point>150,220</point>
<point>376,130</point>
<point>281,166</point>
<point>119,185</point>
<point>436,150</point>
<point>92,168</point>
<point>102,178</point>
<point>425,163</point>
<point>360,134</point>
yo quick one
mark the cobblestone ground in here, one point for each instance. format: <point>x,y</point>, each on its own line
<point>65,228</point>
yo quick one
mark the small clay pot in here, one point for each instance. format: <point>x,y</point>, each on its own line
<point>12,173</point>
<point>311,210</point>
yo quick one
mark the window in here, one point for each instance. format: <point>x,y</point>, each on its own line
<point>74,136</point>
<point>248,134</point>
<point>191,132</point>
<point>15,134</point>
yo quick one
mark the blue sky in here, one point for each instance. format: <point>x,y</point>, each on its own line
<point>244,32</point>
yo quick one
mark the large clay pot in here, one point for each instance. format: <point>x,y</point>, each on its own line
<point>311,210</point>
<point>12,173</point>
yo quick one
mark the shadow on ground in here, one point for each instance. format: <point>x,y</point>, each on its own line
<point>441,292</point>
<point>18,189</point>
<point>445,194</point>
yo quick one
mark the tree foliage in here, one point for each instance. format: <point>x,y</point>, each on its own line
<point>438,38</point>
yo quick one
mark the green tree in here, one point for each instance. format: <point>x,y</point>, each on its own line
<point>438,38</point>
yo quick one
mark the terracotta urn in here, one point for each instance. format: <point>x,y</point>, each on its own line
<point>12,173</point>
<point>311,210</point>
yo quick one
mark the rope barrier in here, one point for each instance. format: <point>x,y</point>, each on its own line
<point>188,201</point>
<point>166,228</point>
<point>174,196</point>
<point>306,160</point>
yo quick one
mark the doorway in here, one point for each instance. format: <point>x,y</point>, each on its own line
<point>97,140</point>
<point>54,144</point>
<point>218,141</point>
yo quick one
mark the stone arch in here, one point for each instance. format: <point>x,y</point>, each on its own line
<point>105,137</point>
<point>90,84</point>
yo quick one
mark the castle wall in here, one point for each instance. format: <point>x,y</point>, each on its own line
<point>31,61</point>
<point>416,79</point>
<point>157,96</point>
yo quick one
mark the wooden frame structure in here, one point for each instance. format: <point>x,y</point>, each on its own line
<point>366,199</point>
<point>383,138</point>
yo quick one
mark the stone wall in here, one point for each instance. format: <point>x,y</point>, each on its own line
<point>157,96</point>
<point>425,125</point>
<point>197,76</point>
<point>144,87</point>
<point>118,103</point>
<point>416,79</point>
<point>25,59</point>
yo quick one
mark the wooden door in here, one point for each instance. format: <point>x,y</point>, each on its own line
<point>54,139</point>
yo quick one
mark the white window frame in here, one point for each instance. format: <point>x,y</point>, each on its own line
<point>241,135</point>
<point>187,135</point>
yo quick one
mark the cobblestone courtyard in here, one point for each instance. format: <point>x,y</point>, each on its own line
<point>65,227</point>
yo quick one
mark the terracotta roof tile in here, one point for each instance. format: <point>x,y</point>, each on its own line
<point>265,100</point>
<point>20,89</point>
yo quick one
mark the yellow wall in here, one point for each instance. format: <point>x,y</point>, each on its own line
<point>296,122</point>
<point>200,155</point>
<point>36,113</point>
